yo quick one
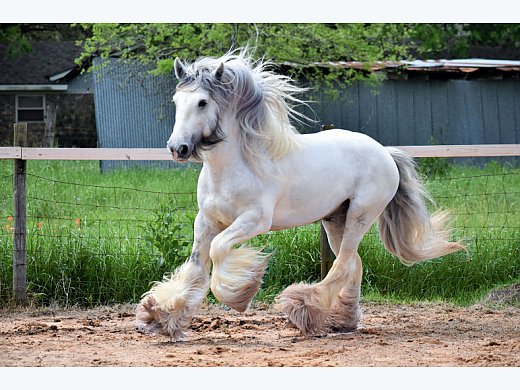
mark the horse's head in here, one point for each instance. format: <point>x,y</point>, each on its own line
<point>197,112</point>
<point>250,102</point>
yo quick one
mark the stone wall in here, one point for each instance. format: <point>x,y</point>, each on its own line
<point>7,117</point>
<point>75,121</point>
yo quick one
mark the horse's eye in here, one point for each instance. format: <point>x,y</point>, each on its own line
<point>203,103</point>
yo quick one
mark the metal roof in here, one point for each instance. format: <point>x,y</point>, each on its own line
<point>459,65</point>
<point>462,65</point>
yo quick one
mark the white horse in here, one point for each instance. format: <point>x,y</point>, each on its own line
<point>259,174</point>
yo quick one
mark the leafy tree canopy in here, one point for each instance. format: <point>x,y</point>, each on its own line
<point>449,40</point>
<point>296,43</point>
<point>18,36</point>
<point>302,43</point>
<point>157,44</point>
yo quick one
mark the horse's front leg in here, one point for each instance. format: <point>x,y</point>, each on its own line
<point>237,272</point>
<point>170,305</point>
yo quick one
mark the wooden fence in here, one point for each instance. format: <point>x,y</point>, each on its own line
<point>21,154</point>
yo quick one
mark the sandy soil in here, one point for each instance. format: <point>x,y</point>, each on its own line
<point>392,335</point>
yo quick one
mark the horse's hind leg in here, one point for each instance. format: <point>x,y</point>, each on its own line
<point>345,313</point>
<point>334,225</point>
<point>309,306</point>
<point>170,305</point>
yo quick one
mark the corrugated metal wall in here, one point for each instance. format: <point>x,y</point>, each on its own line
<point>134,109</point>
<point>412,112</point>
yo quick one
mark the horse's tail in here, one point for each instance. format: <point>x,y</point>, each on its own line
<point>405,226</point>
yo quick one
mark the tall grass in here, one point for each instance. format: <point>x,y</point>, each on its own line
<point>102,238</point>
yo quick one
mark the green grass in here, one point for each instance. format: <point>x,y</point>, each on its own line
<point>102,238</point>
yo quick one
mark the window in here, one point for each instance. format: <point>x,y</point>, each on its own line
<point>30,108</point>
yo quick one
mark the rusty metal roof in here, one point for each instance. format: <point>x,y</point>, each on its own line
<point>468,65</point>
<point>462,65</point>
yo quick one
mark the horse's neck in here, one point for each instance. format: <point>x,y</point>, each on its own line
<point>227,154</point>
<point>226,159</point>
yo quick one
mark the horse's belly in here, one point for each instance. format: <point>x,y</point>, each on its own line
<point>287,218</point>
<point>310,201</point>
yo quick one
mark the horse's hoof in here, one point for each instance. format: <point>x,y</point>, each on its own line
<point>339,327</point>
<point>152,320</point>
<point>344,315</point>
<point>341,324</point>
<point>300,303</point>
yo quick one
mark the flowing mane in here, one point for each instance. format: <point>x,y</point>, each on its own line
<point>262,101</point>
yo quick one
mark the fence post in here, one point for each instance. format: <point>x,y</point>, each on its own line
<point>20,231</point>
<point>326,254</point>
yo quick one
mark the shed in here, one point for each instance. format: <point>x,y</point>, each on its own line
<point>468,101</point>
<point>133,109</point>
<point>46,89</point>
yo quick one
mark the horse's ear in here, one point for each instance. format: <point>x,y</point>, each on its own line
<point>179,69</point>
<point>219,72</point>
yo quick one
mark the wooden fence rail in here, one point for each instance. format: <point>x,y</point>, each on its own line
<point>21,154</point>
<point>158,154</point>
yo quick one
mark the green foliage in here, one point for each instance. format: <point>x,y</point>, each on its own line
<point>157,44</point>
<point>454,40</point>
<point>17,43</point>
<point>433,166</point>
<point>19,36</point>
<point>304,43</point>
<point>169,236</point>
<point>295,258</point>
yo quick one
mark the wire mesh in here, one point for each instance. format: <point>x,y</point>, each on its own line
<point>92,242</point>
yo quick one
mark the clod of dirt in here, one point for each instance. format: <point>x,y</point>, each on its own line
<point>91,322</point>
<point>430,340</point>
<point>215,324</point>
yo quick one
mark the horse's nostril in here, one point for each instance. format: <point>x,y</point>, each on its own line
<point>183,151</point>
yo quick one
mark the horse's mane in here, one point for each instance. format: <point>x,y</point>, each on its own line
<point>263,101</point>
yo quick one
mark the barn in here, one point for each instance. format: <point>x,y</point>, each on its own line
<point>449,102</point>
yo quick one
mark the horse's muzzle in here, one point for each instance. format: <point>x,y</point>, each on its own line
<point>180,152</point>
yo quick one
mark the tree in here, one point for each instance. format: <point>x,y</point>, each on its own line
<point>449,40</point>
<point>18,37</point>
<point>158,43</point>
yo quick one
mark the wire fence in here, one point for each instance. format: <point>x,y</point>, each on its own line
<point>91,243</point>
<point>92,240</point>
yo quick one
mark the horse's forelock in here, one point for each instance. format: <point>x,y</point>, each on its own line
<point>200,75</point>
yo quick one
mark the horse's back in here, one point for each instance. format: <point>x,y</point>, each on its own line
<point>356,153</point>
<point>345,140</point>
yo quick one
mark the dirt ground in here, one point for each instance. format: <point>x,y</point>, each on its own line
<point>391,335</point>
